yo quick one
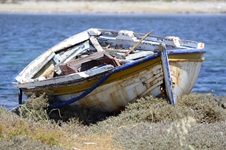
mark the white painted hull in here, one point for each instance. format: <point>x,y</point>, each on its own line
<point>116,95</point>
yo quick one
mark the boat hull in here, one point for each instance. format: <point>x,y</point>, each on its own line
<point>131,83</point>
<point>106,69</point>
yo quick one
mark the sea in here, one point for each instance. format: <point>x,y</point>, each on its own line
<point>23,37</point>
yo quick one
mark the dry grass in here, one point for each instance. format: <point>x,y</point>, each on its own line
<point>197,122</point>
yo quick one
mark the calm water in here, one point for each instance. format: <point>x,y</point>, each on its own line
<point>24,37</point>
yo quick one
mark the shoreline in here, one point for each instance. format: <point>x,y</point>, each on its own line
<point>115,7</point>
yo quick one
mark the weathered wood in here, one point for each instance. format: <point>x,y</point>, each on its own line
<point>113,87</point>
<point>135,45</point>
<point>139,55</point>
<point>166,73</point>
<point>92,60</point>
<point>96,44</point>
<point>116,50</point>
<point>65,70</point>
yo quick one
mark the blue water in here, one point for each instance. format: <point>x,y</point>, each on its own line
<point>24,37</point>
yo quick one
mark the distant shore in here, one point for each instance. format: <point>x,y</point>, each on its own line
<point>114,7</point>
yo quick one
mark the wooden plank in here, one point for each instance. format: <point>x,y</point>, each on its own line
<point>135,45</point>
<point>116,50</point>
<point>96,44</point>
<point>92,60</point>
<point>139,55</point>
<point>166,72</point>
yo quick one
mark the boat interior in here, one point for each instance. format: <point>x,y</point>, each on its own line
<point>107,48</point>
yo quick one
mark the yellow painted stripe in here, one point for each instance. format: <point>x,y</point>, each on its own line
<point>187,57</point>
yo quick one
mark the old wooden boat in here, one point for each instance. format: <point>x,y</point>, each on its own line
<point>107,69</point>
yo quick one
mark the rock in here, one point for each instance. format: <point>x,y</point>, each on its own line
<point>223,105</point>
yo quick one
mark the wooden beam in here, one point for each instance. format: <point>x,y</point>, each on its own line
<point>135,45</point>
<point>96,44</point>
<point>166,72</point>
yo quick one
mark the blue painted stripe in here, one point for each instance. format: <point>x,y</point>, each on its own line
<point>185,51</point>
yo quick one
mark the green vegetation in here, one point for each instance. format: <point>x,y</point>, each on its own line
<point>197,122</point>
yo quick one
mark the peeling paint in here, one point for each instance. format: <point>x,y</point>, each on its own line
<point>140,73</point>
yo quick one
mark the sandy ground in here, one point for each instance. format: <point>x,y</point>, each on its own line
<point>116,7</point>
